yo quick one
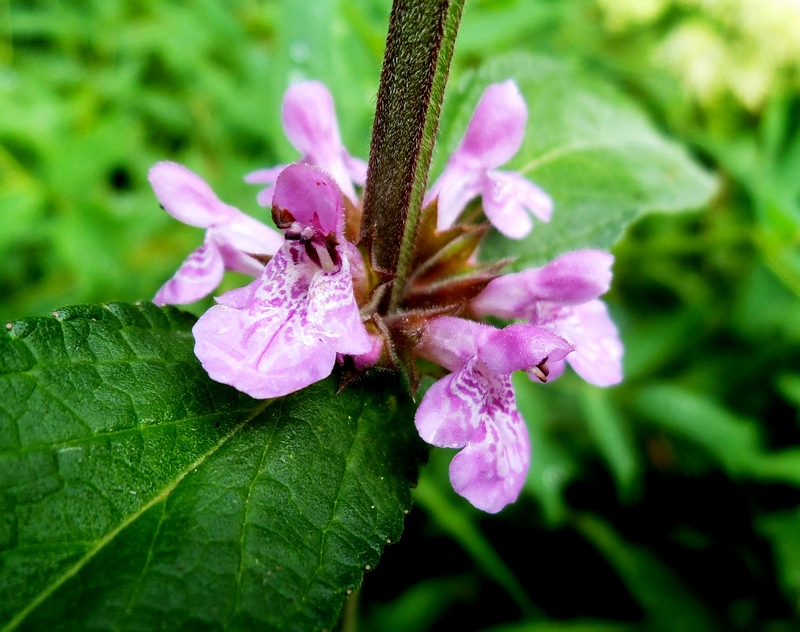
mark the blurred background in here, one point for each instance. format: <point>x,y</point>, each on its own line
<point>671,502</point>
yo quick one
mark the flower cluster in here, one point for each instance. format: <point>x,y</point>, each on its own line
<point>315,301</point>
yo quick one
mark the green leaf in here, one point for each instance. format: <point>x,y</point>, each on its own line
<point>668,603</point>
<point>789,386</point>
<point>459,521</point>
<point>340,44</point>
<point>734,441</point>
<point>419,607</point>
<point>731,439</point>
<point>590,148</point>
<point>579,625</point>
<point>614,439</point>
<point>137,493</point>
<point>553,467</point>
<point>782,529</point>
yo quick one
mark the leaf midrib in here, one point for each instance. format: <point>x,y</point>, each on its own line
<point>71,363</point>
<point>37,447</point>
<point>333,518</point>
<point>240,568</point>
<point>577,147</point>
<point>109,537</point>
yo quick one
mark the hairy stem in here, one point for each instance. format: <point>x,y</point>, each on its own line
<point>419,48</point>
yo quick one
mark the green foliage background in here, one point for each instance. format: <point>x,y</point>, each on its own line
<point>671,502</point>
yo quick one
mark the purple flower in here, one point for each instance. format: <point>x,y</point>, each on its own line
<point>231,236</point>
<point>563,298</point>
<point>309,120</point>
<point>493,136</point>
<point>283,331</point>
<point>474,406</point>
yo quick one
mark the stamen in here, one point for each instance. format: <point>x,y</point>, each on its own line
<point>312,253</point>
<point>541,371</point>
<point>540,375</point>
<point>331,242</point>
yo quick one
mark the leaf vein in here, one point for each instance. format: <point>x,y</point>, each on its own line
<point>332,519</point>
<point>135,591</point>
<point>114,433</point>
<point>240,569</point>
<point>580,146</point>
<point>109,537</point>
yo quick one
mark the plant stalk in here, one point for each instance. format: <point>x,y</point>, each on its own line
<point>416,63</point>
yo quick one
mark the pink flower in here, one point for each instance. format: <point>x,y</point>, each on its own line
<point>563,298</point>
<point>231,236</point>
<point>474,406</point>
<point>309,120</point>
<point>283,331</point>
<point>492,138</point>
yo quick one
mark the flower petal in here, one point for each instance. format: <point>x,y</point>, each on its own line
<point>598,349</point>
<point>245,236</point>
<point>507,297</point>
<point>266,347</point>
<point>458,184</point>
<point>526,193</point>
<point>264,176</point>
<point>491,474</point>
<point>503,207</point>
<point>186,196</point>
<point>507,198</point>
<point>239,261</point>
<point>309,120</point>
<point>449,411</point>
<point>198,276</point>
<point>264,197</point>
<point>311,197</point>
<point>497,127</point>
<point>520,347</point>
<point>356,169</point>
<point>371,357</point>
<point>571,279</point>
<point>475,408</point>
<point>333,311</point>
<point>450,341</point>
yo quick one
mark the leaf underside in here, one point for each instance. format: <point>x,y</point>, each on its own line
<point>135,493</point>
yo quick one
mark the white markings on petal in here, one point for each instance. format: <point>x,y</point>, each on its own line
<point>475,408</point>
<point>197,277</point>
<point>282,332</point>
